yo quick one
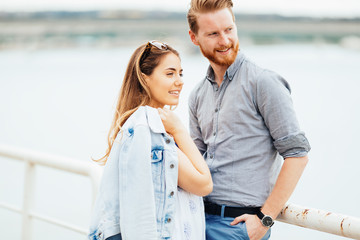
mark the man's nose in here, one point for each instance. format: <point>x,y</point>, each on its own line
<point>223,40</point>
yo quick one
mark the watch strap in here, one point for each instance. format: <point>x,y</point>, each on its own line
<point>260,214</point>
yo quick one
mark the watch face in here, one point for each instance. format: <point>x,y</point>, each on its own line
<point>267,221</point>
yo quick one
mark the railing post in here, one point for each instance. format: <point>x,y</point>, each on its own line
<point>29,183</point>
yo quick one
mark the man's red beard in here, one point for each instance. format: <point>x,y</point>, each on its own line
<point>226,60</point>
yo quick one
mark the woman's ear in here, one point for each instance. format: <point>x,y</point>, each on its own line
<point>146,77</point>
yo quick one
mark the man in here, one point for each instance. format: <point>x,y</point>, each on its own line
<point>242,120</point>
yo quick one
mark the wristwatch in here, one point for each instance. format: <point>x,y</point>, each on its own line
<point>266,220</point>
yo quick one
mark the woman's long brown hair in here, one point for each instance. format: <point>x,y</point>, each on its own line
<point>134,91</point>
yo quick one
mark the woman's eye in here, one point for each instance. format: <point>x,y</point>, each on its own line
<point>170,74</point>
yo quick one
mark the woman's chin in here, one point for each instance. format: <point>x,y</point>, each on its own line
<point>171,103</point>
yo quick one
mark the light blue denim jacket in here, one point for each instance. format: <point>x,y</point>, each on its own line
<point>139,185</point>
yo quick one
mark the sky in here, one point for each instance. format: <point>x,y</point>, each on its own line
<point>315,8</point>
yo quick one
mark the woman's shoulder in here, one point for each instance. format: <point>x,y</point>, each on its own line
<point>145,116</point>
<point>137,118</point>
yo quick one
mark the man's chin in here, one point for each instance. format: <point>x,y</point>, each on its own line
<point>226,60</point>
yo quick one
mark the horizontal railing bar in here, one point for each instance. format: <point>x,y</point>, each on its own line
<point>44,218</point>
<point>338,224</point>
<point>58,223</point>
<point>39,158</point>
<point>84,168</point>
<point>10,207</point>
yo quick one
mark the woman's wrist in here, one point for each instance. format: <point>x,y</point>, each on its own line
<point>178,131</point>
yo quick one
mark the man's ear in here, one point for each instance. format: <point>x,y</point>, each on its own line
<point>193,38</point>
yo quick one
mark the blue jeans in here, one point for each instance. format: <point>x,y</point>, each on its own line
<point>115,237</point>
<point>219,228</point>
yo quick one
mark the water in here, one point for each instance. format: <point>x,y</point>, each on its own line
<point>62,101</point>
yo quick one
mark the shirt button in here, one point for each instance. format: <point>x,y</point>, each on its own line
<point>172,165</point>
<point>167,141</point>
<point>211,156</point>
<point>214,133</point>
<point>172,193</point>
<point>216,110</point>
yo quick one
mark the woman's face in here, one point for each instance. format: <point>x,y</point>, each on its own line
<point>165,83</point>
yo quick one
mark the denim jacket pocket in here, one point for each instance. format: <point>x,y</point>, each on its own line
<point>157,162</point>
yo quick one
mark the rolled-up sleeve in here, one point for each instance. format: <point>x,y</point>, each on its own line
<point>275,105</point>
<point>293,145</point>
<point>136,196</point>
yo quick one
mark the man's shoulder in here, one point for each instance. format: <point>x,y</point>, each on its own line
<point>259,74</point>
<point>197,90</point>
<point>269,79</point>
<point>252,68</point>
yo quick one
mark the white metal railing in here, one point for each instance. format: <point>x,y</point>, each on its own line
<point>324,221</point>
<point>31,159</point>
<point>320,220</point>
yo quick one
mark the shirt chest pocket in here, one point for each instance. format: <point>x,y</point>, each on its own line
<point>157,163</point>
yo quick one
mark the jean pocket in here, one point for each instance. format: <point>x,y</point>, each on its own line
<point>243,234</point>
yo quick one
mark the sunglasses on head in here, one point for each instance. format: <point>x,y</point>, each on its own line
<point>149,45</point>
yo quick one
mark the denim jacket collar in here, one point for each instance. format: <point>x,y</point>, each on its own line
<point>154,120</point>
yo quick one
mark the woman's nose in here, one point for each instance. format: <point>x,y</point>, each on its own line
<point>179,81</point>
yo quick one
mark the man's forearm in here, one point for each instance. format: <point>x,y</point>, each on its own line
<point>289,176</point>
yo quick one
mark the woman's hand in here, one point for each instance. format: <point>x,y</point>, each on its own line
<point>194,175</point>
<point>172,123</point>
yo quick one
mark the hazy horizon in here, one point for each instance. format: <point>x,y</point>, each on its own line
<point>320,8</point>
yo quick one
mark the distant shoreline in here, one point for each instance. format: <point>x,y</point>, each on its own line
<point>120,28</point>
<point>143,15</point>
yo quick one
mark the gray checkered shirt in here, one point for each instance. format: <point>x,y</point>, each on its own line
<point>242,128</point>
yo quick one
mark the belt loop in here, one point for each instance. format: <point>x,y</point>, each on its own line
<point>222,210</point>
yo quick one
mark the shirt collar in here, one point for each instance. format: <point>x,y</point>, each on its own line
<point>154,120</point>
<point>230,72</point>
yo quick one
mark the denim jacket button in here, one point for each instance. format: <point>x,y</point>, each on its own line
<point>172,193</point>
<point>167,141</point>
<point>172,165</point>
<point>168,220</point>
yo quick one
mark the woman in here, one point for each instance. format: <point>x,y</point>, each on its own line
<point>149,155</point>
